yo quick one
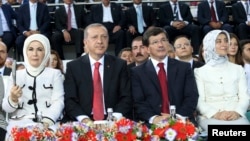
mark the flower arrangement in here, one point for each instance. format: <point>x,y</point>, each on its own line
<point>121,130</point>
<point>175,130</point>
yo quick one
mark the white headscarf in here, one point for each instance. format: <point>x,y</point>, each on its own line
<point>210,56</point>
<point>34,71</point>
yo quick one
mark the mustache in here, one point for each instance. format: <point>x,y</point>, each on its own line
<point>138,54</point>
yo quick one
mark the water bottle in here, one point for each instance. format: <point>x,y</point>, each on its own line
<point>39,116</point>
<point>172,111</point>
<point>110,117</point>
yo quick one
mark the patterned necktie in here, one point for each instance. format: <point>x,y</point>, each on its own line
<point>139,19</point>
<point>98,110</point>
<point>213,12</point>
<point>69,18</point>
<point>176,14</point>
<point>162,76</point>
<point>1,26</point>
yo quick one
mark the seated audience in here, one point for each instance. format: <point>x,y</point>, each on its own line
<point>201,54</point>
<point>55,61</point>
<point>3,123</point>
<point>212,14</point>
<point>37,95</point>
<point>222,85</point>
<point>96,81</point>
<point>154,89</point>
<point>126,54</point>
<point>234,53</point>
<point>3,57</point>
<point>184,50</point>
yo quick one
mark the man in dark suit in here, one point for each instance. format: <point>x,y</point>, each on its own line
<point>178,21</point>
<point>80,75</point>
<point>220,20</point>
<point>112,17</point>
<point>63,33</point>
<point>241,18</point>
<point>133,17</point>
<point>180,86</point>
<point>3,57</point>
<point>9,30</point>
<point>184,50</point>
<point>38,24</point>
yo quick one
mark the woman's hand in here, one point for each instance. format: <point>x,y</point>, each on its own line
<point>15,93</point>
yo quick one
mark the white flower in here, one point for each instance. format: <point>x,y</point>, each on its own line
<point>170,134</point>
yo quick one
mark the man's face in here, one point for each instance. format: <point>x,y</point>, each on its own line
<point>158,46</point>
<point>137,1</point>
<point>246,53</point>
<point>183,48</point>
<point>106,2</point>
<point>97,41</point>
<point>3,55</point>
<point>139,52</point>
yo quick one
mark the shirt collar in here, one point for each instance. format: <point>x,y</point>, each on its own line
<point>137,5</point>
<point>93,61</point>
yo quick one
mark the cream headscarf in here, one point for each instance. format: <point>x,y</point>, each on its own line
<point>34,71</point>
<point>210,56</point>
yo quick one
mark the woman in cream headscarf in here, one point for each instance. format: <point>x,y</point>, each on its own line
<point>38,96</point>
<point>222,86</point>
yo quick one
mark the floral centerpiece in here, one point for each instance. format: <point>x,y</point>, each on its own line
<point>121,130</point>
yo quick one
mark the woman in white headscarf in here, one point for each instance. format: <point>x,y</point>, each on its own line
<point>38,96</point>
<point>222,85</point>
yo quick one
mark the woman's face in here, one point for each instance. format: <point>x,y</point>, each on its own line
<point>53,61</point>
<point>233,47</point>
<point>221,45</point>
<point>35,53</point>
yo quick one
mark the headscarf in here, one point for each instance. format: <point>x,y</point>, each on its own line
<point>210,56</point>
<point>34,71</point>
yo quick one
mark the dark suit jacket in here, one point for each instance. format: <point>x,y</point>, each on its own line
<point>78,87</point>
<point>146,91</point>
<point>204,15</point>
<point>10,14</point>
<point>6,71</point>
<point>96,14</point>
<point>239,13</point>
<point>148,16</point>
<point>61,17</point>
<point>166,14</point>
<point>197,64</point>
<point>42,18</point>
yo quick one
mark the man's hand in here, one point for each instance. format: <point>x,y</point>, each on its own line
<point>66,35</point>
<point>116,28</point>
<point>132,30</point>
<point>160,118</point>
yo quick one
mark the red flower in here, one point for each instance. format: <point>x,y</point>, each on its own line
<point>21,134</point>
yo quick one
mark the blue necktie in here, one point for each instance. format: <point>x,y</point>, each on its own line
<point>176,15</point>
<point>1,26</point>
<point>139,19</point>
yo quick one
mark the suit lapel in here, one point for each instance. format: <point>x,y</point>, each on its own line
<point>152,74</point>
<point>87,75</point>
<point>107,73</point>
<point>171,75</point>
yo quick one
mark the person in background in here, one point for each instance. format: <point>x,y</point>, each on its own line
<point>171,51</point>
<point>20,66</point>
<point>55,61</point>
<point>37,95</point>
<point>152,95</point>
<point>184,51</point>
<point>3,57</point>
<point>88,98</point>
<point>176,18</point>
<point>70,21</point>
<point>201,54</point>
<point>126,54</point>
<point>8,32</point>
<point>3,123</point>
<point>210,21</point>
<point>234,52</point>
<point>222,85</point>
<point>33,18</point>
<point>139,52</point>
<point>139,18</point>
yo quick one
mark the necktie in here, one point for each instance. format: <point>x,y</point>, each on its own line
<point>164,88</point>
<point>33,24</point>
<point>98,111</point>
<point>176,15</point>
<point>213,12</point>
<point>1,26</point>
<point>139,19</point>
<point>69,18</point>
